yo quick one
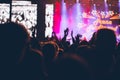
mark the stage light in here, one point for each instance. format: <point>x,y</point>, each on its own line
<point>106,5</point>
<point>77,1</point>
<point>110,4</point>
<point>119,5</point>
<point>105,0</point>
<point>76,20</point>
<point>94,7</point>
<point>63,24</point>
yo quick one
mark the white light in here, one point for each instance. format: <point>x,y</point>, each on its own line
<point>21,3</point>
<point>49,20</point>
<point>110,5</point>
<point>105,0</point>
<point>94,4</point>
<point>77,1</point>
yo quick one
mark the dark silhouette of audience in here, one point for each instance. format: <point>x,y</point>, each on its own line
<point>104,52</point>
<point>50,52</point>
<point>14,40</point>
<point>70,67</point>
<point>17,60</point>
<point>26,58</point>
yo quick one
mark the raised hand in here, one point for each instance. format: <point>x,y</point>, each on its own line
<point>66,32</point>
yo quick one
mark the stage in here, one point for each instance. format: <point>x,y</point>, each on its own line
<point>81,18</point>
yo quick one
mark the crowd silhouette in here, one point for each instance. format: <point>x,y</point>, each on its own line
<point>26,58</point>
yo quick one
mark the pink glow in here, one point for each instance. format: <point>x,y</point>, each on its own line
<point>57,17</point>
<point>80,19</point>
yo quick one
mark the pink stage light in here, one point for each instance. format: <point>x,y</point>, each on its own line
<point>57,17</point>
